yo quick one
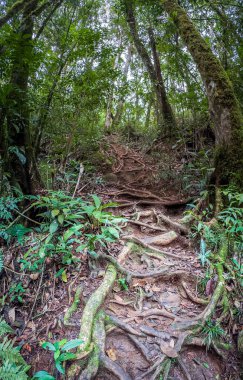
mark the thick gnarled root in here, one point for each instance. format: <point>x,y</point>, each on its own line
<point>89,313</point>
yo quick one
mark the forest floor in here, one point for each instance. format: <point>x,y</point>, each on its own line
<point>149,304</point>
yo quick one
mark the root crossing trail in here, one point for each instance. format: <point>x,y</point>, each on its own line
<point>134,313</point>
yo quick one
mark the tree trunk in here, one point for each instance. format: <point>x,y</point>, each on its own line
<point>164,104</point>
<point>223,106</point>
<point>154,71</point>
<point>18,150</point>
<point>119,109</point>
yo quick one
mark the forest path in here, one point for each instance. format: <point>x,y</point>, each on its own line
<point>152,240</point>
<point>153,210</point>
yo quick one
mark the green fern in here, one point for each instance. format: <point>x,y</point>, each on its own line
<point>4,328</point>
<point>12,364</point>
<point>9,371</point>
<point>9,352</point>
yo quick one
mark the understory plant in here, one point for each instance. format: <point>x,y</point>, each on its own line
<point>12,364</point>
<point>211,230</point>
<point>66,226</point>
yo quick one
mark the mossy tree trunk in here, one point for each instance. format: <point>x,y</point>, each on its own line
<point>223,105</point>
<point>18,154</point>
<point>166,118</point>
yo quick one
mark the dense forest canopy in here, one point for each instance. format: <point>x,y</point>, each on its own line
<point>85,84</point>
<point>82,67</point>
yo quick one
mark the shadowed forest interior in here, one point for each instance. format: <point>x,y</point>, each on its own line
<point>121,189</point>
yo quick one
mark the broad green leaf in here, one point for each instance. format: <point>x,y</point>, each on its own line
<point>72,344</point>
<point>59,367</point>
<point>48,345</point>
<point>66,356</point>
<point>71,231</point>
<point>55,212</point>
<point>43,375</point>
<point>53,227</point>
<point>57,354</point>
<point>113,232</point>
<point>60,218</point>
<point>97,200</point>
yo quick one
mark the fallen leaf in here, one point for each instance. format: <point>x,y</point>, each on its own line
<point>111,354</point>
<point>34,276</point>
<point>11,315</point>
<point>27,347</point>
<point>64,276</point>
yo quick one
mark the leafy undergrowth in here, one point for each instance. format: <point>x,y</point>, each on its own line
<point>49,258</point>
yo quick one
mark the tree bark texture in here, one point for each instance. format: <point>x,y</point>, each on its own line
<point>223,105</point>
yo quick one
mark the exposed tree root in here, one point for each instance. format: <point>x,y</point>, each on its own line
<point>98,357</point>
<point>124,253</point>
<point>162,239</point>
<point>149,226</point>
<point>184,369</point>
<point>71,310</point>
<point>155,202</point>
<point>140,346</point>
<point>90,310</point>
<point>162,273</point>
<point>175,225</point>
<point>191,296</point>
<point>159,312</point>
<point>122,325</point>
<point>145,245</point>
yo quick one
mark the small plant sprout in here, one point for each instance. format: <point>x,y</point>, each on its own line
<point>60,351</point>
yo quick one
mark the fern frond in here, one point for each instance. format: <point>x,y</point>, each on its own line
<point>10,353</point>
<point>9,371</point>
<point>4,327</point>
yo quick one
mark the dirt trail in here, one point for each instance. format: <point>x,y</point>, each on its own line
<point>148,303</point>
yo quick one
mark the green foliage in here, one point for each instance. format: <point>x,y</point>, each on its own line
<point>211,332</point>
<point>16,292</point>
<point>43,375</point>
<point>4,327</point>
<point>123,283</point>
<point>9,208</point>
<point>12,365</point>
<point>67,222</point>
<point>231,218</point>
<point>60,351</point>
<point>11,371</point>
